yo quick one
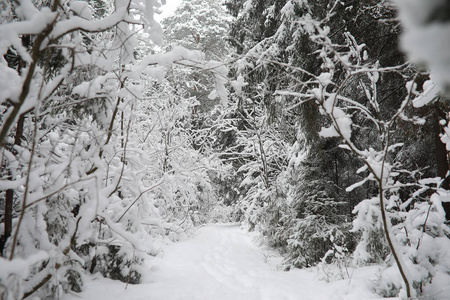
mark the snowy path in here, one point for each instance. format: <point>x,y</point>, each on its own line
<point>221,263</point>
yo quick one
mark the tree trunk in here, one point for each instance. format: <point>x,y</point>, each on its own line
<point>9,195</point>
<point>441,154</point>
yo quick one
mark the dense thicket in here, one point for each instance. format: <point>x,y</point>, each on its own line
<point>98,162</point>
<point>334,69</point>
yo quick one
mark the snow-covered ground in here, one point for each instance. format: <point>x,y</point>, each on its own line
<point>223,262</point>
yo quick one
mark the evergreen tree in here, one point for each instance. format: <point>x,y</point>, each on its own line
<point>275,47</point>
<point>197,25</point>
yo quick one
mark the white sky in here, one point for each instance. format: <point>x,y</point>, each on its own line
<point>168,9</point>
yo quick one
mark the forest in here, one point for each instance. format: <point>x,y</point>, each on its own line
<point>322,125</point>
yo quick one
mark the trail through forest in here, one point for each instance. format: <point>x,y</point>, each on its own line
<point>223,262</point>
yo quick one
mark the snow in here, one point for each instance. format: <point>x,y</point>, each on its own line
<point>224,262</point>
<point>194,59</point>
<point>10,32</point>
<point>430,91</point>
<point>430,45</point>
<point>328,132</point>
<point>26,10</point>
<point>426,40</point>
<point>20,266</point>
<point>82,9</point>
<point>8,87</point>
<point>77,23</point>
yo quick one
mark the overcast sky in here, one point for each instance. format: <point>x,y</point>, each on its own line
<point>168,9</point>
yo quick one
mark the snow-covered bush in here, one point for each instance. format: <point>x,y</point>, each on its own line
<point>98,164</point>
<point>221,214</point>
<point>404,221</point>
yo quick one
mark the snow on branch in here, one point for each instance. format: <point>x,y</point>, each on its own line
<point>193,59</point>
<point>77,23</point>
